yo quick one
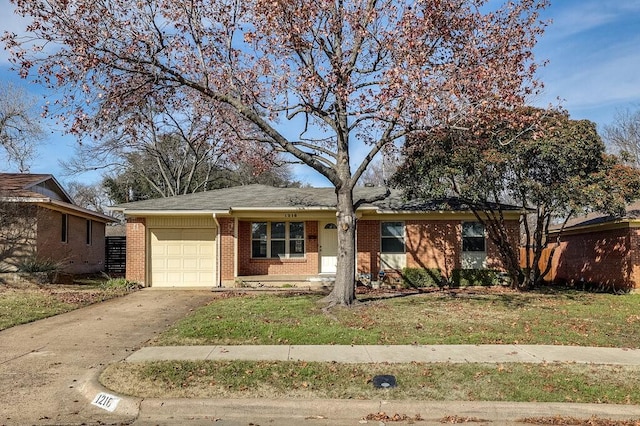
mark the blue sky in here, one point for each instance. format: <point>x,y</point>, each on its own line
<point>593,49</point>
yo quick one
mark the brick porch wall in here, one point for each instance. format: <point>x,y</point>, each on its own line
<point>136,249</point>
<point>304,266</point>
<point>227,248</point>
<point>75,255</point>
<point>368,242</point>
<point>606,258</point>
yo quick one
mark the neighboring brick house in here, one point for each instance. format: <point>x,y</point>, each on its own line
<point>262,233</point>
<point>41,224</point>
<point>599,250</point>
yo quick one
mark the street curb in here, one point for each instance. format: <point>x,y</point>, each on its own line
<point>91,386</point>
<point>338,412</point>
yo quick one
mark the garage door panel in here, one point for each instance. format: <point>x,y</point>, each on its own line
<point>183,257</point>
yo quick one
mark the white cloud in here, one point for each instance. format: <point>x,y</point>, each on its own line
<point>575,17</point>
<point>10,22</point>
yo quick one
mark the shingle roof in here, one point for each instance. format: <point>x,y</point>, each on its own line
<point>41,189</point>
<point>267,197</point>
<point>19,184</point>
<point>632,212</point>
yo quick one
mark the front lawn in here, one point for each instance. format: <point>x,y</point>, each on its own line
<point>34,302</point>
<point>468,316</point>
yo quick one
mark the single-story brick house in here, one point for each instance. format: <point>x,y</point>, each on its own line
<point>257,232</point>
<point>599,250</point>
<point>40,223</point>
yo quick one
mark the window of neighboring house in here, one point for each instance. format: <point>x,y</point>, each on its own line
<point>89,232</point>
<point>64,228</point>
<point>392,235</point>
<point>473,238</point>
<point>277,239</point>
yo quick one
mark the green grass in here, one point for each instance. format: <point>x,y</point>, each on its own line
<point>20,306</point>
<point>416,381</point>
<point>465,317</point>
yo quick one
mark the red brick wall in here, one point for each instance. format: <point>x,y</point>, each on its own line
<point>604,258</point>
<point>434,244</point>
<point>136,249</point>
<point>429,244</point>
<point>305,266</point>
<point>494,260</point>
<point>75,255</point>
<point>368,241</point>
<point>227,248</point>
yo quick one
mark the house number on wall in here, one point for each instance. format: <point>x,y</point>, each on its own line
<point>106,401</point>
<point>291,215</point>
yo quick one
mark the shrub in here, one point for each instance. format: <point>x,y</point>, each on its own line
<point>476,277</point>
<point>34,264</point>
<point>420,277</point>
<point>120,284</point>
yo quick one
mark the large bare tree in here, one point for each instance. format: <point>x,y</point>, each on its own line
<point>20,129</point>
<point>314,79</point>
<point>624,135</point>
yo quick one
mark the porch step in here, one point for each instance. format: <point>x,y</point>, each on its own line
<point>297,281</point>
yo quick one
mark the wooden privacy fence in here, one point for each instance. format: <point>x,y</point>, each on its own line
<point>544,260</point>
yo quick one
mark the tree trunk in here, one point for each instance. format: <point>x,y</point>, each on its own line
<point>344,290</point>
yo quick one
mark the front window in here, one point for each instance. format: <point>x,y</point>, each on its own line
<point>277,239</point>
<point>473,237</point>
<point>392,237</point>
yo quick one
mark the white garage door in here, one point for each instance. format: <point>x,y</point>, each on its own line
<point>182,257</point>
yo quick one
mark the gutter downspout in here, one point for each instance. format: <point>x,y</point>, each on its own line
<point>218,277</point>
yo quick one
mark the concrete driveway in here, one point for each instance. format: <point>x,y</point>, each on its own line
<point>48,367</point>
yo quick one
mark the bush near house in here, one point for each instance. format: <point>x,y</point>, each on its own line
<point>433,277</point>
<point>421,277</point>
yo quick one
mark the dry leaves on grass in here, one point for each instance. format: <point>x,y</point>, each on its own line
<point>572,421</point>
<point>384,417</point>
<point>459,419</point>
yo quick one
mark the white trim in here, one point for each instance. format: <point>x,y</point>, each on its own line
<point>218,273</point>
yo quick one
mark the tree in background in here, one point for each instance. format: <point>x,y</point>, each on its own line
<point>90,196</point>
<point>313,79</point>
<point>172,153</point>
<point>20,128</point>
<point>380,172</point>
<point>551,166</point>
<point>624,136</point>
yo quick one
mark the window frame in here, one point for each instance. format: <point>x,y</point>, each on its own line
<point>267,240</point>
<point>465,246</point>
<point>64,228</point>
<point>89,232</point>
<point>402,238</point>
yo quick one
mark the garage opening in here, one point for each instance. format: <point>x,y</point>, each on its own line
<point>183,257</point>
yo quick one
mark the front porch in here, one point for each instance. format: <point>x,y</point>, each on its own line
<point>316,281</point>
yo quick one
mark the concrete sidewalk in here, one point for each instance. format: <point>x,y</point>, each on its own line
<point>316,412</point>
<point>395,354</point>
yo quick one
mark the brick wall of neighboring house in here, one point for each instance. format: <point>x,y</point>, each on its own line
<point>136,249</point>
<point>606,258</point>
<point>295,266</point>
<point>75,255</point>
<point>227,249</point>
<point>18,225</point>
